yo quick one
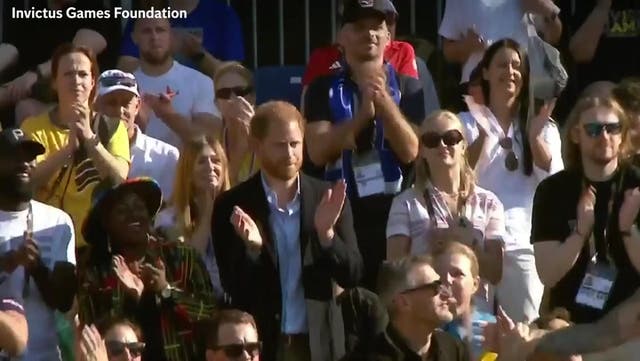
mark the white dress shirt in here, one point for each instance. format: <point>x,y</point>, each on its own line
<point>151,157</point>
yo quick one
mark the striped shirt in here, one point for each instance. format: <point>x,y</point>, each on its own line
<point>167,324</point>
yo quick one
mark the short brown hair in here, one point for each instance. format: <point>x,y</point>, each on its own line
<point>627,94</point>
<point>69,48</point>
<point>270,112</point>
<point>455,247</point>
<point>211,327</point>
<point>110,323</point>
<point>544,322</point>
<point>233,67</point>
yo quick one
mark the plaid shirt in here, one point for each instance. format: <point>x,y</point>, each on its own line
<point>102,296</point>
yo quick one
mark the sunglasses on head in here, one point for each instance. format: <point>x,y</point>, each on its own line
<point>511,161</point>
<point>433,286</point>
<point>594,130</point>
<point>236,350</point>
<point>449,138</point>
<point>241,91</point>
<point>116,348</point>
<point>116,80</point>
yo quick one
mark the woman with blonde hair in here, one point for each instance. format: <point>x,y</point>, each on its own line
<point>236,98</point>
<point>445,203</point>
<point>201,175</point>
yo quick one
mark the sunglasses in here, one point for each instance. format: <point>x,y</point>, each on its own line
<point>594,130</point>
<point>114,80</point>
<point>241,91</point>
<point>117,348</point>
<point>236,350</point>
<point>449,138</point>
<point>433,286</point>
<point>511,161</point>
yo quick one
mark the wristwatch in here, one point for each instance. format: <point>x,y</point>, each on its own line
<point>166,292</point>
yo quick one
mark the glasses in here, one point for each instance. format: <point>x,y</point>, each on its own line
<point>117,348</point>
<point>241,91</point>
<point>236,350</point>
<point>511,161</point>
<point>116,80</point>
<point>433,286</point>
<point>449,138</point>
<point>594,130</point>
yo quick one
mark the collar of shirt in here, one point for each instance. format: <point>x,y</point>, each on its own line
<point>272,198</point>
<point>138,139</point>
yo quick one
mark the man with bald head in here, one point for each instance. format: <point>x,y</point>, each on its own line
<point>182,99</point>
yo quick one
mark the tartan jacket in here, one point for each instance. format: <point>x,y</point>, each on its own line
<point>167,324</point>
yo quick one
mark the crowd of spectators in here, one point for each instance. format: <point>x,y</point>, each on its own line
<point>150,210</point>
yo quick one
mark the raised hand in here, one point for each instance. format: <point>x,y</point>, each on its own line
<point>29,253</point>
<point>92,347</point>
<point>629,209</point>
<point>82,123</point>
<point>328,211</point>
<point>154,277</point>
<point>132,283</point>
<point>584,212</point>
<point>246,228</point>
<point>541,119</point>
<point>474,41</point>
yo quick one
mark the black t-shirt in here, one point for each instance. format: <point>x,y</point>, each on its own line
<point>37,39</point>
<point>553,219</point>
<point>616,56</point>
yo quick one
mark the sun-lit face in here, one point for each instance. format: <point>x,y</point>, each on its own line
<point>599,135</point>
<point>207,170</point>
<point>504,73</point>
<point>442,142</point>
<point>74,79</point>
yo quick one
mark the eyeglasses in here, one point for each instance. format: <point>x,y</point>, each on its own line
<point>511,161</point>
<point>594,130</point>
<point>241,91</point>
<point>236,350</point>
<point>116,80</point>
<point>434,286</point>
<point>449,138</point>
<point>117,348</point>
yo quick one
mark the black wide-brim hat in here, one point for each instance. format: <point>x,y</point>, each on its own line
<point>146,188</point>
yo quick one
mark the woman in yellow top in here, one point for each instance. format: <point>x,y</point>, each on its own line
<point>201,175</point>
<point>83,150</point>
<point>235,97</point>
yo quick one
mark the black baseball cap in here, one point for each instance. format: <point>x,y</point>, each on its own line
<point>12,139</point>
<point>355,10</point>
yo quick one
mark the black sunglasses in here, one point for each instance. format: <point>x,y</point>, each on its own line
<point>449,138</point>
<point>594,130</point>
<point>236,350</point>
<point>241,91</point>
<point>434,286</point>
<point>116,348</point>
<point>511,161</point>
<point>116,80</point>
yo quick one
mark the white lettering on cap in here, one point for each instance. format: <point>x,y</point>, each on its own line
<point>17,134</point>
<point>365,3</point>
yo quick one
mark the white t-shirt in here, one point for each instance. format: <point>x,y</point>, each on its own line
<point>194,94</point>
<point>156,159</point>
<point>492,19</point>
<point>53,232</point>
<point>514,189</point>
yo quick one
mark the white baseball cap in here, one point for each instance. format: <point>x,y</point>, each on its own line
<point>114,79</point>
